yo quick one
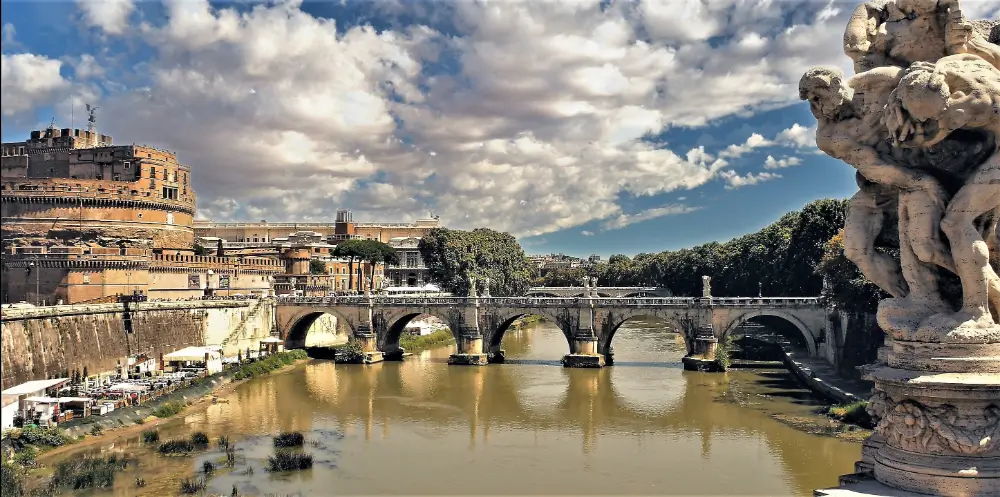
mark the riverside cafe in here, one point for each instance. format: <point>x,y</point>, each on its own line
<point>35,403</point>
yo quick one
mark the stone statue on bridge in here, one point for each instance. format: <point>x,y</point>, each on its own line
<point>486,286</point>
<point>919,123</point>
<point>706,287</point>
<point>472,286</point>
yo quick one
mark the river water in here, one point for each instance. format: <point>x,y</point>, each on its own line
<point>530,426</point>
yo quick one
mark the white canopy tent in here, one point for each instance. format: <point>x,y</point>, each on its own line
<point>192,354</point>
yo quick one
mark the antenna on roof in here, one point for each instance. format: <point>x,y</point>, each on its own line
<point>52,125</point>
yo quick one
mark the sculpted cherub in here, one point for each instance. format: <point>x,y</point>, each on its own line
<point>931,102</point>
<point>850,129</point>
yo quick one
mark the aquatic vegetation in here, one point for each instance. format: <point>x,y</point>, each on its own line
<point>25,457</point>
<point>88,472</point>
<point>414,343</point>
<point>223,442</point>
<point>208,467</point>
<point>284,460</point>
<point>168,409</point>
<point>854,413</point>
<point>191,486</point>
<point>11,480</point>
<point>176,447</point>
<point>290,439</point>
<point>231,456</point>
<point>96,430</point>
<point>150,436</point>
<point>271,363</point>
<point>199,438</point>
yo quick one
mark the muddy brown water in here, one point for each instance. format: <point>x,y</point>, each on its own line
<point>530,426</point>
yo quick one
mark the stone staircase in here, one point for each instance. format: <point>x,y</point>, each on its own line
<point>241,328</point>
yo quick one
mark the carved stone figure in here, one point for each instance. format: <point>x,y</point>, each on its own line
<point>919,122</point>
<point>706,286</point>
<point>959,91</point>
<point>486,287</point>
<point>472,287</point>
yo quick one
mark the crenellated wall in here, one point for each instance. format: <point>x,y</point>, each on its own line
<point>46,342</point>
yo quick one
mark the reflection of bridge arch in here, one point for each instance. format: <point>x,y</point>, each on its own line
<point>677,320</point>
<point>791,319</point>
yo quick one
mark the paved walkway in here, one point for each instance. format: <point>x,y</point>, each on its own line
<point>824,379</point>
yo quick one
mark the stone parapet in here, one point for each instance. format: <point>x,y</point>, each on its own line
<point>22,313</point>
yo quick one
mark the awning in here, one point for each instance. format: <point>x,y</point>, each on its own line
<point>272,340</point>
<point>43,400</point>
<point>34,386</point>
<point>127,387</point>
<point>192,354</point>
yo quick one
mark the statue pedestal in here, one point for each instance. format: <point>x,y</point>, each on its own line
<point>938,411</point>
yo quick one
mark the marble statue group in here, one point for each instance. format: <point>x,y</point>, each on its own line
<point>918,121</point>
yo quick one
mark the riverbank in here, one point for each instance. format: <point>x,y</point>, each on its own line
<point>127,422</point>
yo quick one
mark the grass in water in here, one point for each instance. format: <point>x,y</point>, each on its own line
<point>88,472</point>
<point>199,438</point>
<point>150,436</point>
<point>284,460</point>
<point>855,413</point>
<point>168,409</point>
<point>191,486</point>
<point>414,343</point>
<point>176,447</point>
<point>290,439</point>
<point>271,363</point>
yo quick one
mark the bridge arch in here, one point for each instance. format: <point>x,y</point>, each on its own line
<point>494,329</point>
<point>298,326</point>
<point>607,335</point>
<point>395,323</point>
<point>807,335</point>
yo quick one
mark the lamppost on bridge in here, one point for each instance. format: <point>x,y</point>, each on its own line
<point>760,289</point>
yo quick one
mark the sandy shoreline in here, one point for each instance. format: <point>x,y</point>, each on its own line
<point>111,435</point>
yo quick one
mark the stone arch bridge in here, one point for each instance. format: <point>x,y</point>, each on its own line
<point>601,291</point>
<point>589,323</point>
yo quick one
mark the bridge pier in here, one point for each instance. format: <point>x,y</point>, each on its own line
<point>369,345</point>
<point>704,347</point>
<point>585,355</point>
<point>470,349</point>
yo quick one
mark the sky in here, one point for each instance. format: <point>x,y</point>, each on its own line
<point>581,127</point>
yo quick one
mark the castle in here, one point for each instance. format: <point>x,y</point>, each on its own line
<point>85,220</point>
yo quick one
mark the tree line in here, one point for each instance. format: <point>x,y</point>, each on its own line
<point>789,258</point>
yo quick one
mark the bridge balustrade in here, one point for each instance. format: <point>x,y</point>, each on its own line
<point>407,301</point>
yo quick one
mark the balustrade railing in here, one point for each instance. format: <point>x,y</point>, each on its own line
<point>382,300</point>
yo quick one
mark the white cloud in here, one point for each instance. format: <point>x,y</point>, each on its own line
<point>540,129</point>
<point>587,233</point>
<point>798,136</point>
<point>772,163</point>
<point>755,141</point>
<point>734,180</point>
<point>623,220</point>
<point>87,67</point>
<point>29,81</point>
<point>109,15</point>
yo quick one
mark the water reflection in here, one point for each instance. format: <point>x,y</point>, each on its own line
<point>643,426</point>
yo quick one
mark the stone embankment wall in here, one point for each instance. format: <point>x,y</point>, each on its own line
<point>45,342</point>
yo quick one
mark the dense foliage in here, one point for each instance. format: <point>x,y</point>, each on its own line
<point>778,261</point>
<point>317,266</point>
<point>373,252</point>
<point>452,256</point>
<point>271,363</point>
<point>847,288</point>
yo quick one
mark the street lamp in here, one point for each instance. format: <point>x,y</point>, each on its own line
<point>33,267</point>
<point>760,289</point>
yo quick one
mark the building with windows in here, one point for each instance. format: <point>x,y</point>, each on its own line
<point>84,220</point>
<point>264,233</point>
<point>411,271</point>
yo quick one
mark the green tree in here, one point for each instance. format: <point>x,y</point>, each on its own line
<point>351,250</point>
<point>375,252</point>
<point>847,289</point>
<point>452,256</point>
<point>317,266</point>
<point>562,277</point>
